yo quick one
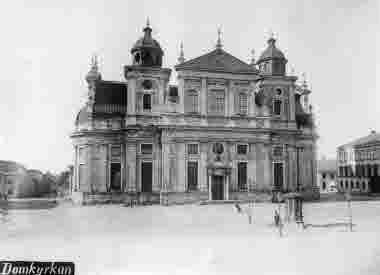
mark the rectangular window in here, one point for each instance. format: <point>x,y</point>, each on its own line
<point>146,148</point>
<point>192,149</point>
<point>277,106</point>
<point>147,102</point>
<point>242,176</point>
<point>191,101</point>
<point>192,175</point>
<point>243,103</point>
<point>115,180</point>
<point>216,102</point>
<point>242,149</point>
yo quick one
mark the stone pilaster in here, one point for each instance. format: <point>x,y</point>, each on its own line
<point>203,96</point>
<point>131,101</point>
<point>267,165</point>
<point>181,168</point>
<point>181,94</point>
<point>131,157</point>
<point>251,166</point>
<point>230,104</point>
<point>203,168</point>
<point>166,166</point>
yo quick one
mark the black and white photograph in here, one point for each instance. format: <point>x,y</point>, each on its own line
<point>190,137</point>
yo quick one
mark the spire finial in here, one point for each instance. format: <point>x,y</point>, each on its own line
<point>292,70</point>
<point>219,41</point>
<point>271,37</point>
<point>253,57</point>
<point>94,63</point>
<point>181,57</point>
<point>304,82</point>
<point>147,22</point>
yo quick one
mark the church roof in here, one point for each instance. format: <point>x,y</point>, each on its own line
<point>110,97</point>
<point>217,60</point>
<point>271,52</point>
<point>110,100</point>
<point>372,137</point>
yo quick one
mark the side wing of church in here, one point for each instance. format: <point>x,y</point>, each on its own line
<point>228,131</point>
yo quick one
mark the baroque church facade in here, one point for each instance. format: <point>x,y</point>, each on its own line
<point>227,131</point>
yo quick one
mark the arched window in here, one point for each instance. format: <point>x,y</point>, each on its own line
<point>147,102</point>
<point>277,102</point>
<point>243,103</point>
<point>191,101</point>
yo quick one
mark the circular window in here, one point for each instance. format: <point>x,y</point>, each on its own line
<point>278,92</point>
<point>218,148</point>
<point>147,84</point>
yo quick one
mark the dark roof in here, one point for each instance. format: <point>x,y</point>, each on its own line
<point>110,97</point>
<point>110,100</point>
<point>217,60</point>
<point>271,52</point>
<point>327,165</point>
<point>372,137</point>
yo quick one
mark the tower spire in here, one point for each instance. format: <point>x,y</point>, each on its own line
<point>181,57</point>
<point>219,41</point>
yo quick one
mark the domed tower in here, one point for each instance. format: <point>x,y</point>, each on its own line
<point>147,80</point>
<point>272,61</point>
<point>147,51</point>
<point>275,88</point>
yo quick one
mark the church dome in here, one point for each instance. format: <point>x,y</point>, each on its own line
<point>147,51</point>
<point>83,117</point>
<point>271,52</point>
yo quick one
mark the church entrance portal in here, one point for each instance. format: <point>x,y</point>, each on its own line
<point>146,177</point>
<point>217,187</point>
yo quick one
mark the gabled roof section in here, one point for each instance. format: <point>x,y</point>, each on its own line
<point>217,60</point>
<point>372,137</point>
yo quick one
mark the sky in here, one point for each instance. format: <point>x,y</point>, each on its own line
<point>46,47</point>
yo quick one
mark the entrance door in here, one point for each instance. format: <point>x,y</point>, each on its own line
<point>217,188</point>
<point>146,177</point>
<point>278,175</point>
<point>115,177</point>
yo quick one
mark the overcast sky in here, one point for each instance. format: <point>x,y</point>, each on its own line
<point>46,48</point>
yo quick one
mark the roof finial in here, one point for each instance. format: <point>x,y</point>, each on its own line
<point>253,57</point>
<point>219,41</point>
<point>181,57</point>
<point>147,22</point>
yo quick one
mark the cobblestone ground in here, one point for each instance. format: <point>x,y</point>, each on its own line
<point>194,239</point>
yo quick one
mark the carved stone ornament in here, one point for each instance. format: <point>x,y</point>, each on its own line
<point>218,148</point>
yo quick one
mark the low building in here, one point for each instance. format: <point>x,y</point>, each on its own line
<point>326,176</point>
<point>358,165</point>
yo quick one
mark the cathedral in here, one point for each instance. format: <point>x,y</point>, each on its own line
<point>228,130</point>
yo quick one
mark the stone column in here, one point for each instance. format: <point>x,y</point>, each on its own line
<point>76,168</point>
<point>131,101</point>
<point>131,160</point>
<point>251,100</point>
